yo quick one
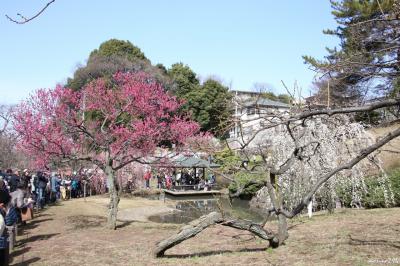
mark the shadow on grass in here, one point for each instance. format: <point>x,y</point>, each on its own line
<point>39,214</point>
<point>124,224</point>
<point>214,252</point>
<point>85,222</point>
<point>35,221</point>
<point>22,229</point>
<point>294,225</point>
<point>30,225</point>
<point>26,262</point>
<point>52,204</point>
<point>34,238</point>
<point>21,251</point>
<point>362,242</point>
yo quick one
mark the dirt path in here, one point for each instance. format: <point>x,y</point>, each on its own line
<point>73,233</point>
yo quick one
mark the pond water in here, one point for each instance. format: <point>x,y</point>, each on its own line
<point>189,209</point>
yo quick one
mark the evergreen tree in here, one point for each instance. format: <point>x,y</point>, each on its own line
<point>210,106</point>
<point>113,56</point>
<point>122,48</point>
<point>369,53</point>
<point>184,79</point>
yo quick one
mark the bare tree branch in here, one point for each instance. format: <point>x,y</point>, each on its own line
<point>25,19</point>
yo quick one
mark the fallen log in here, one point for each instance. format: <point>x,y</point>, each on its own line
<point>195,227</point>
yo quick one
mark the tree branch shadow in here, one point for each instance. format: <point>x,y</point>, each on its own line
<point>378,242</point>
<point>36,221</point>
<point>294,225</point>
<point>21,251</point>
<point>34,238</point>
<point>26,262</point>
<point>31,225</point>
<point>124,224</point>
<point>214,252</point>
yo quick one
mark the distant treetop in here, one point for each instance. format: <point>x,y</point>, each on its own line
<point>114,47</point>
<point>111,57</point>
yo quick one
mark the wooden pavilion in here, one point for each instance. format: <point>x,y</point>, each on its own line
<point>191,162</point>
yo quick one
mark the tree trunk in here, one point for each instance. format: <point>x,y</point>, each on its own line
<point>114,198</point>
<point>84,191</point>
<point>197,226</point>
<point>276,197</point>
<point>282,229</point>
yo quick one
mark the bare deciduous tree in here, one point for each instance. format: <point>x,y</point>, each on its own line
<point>9,157</point>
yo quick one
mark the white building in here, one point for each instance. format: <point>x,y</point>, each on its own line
<point>252,112</point>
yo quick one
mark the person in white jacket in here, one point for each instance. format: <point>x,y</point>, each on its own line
<point>33,188</point>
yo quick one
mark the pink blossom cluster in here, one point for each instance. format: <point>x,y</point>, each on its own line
<point>110,121</point>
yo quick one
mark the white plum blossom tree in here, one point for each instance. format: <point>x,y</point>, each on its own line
<point>301,155</point>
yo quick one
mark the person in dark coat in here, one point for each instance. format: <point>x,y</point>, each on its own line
<point>41,190</point>
<point>5,219</point>
<point>12,179</point>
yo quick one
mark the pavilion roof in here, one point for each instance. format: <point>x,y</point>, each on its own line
<point>183,161</point>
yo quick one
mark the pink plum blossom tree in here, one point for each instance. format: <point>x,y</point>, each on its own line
<point>110,123</point>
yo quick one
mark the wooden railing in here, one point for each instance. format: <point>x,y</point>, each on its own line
<point>193,187</point>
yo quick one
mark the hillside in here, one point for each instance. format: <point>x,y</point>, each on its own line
<point>390,160</point>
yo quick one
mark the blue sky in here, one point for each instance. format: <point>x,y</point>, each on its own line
<point>242,42</point>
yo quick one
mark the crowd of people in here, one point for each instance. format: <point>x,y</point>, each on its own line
<point>26,190</point>
<point>42,187</point>
<point>21,192</point>
<point>184,178</point>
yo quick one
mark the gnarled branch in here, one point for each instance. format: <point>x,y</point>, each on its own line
<point>197,226</point>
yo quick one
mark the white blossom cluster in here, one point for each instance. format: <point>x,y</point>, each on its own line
<point>323,144</point>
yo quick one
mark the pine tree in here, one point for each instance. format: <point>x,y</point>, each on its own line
<point>367,63</point>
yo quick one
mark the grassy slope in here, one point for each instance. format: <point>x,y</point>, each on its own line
<point>73,234</point>
<point>390,160</point>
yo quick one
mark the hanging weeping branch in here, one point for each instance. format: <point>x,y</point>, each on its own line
<point>303,145</point>
<point>25,19</point>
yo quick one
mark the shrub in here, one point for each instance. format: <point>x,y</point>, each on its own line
<point>242,178</point>
<point>394,178</point>
<point>344,194</point>
<point>374,198</point>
